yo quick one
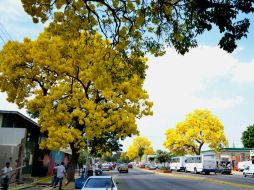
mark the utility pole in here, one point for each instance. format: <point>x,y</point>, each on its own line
<point>87,158</point>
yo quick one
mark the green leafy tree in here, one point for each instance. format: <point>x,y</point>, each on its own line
<point>151,159</point>
<point>82,159</point>
<point>108,142</point>
<point>248,137</point>
<point>162,156</point>
<point>142,26</point>
<point>116,156</point>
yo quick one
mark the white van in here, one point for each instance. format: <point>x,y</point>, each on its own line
<point>249,171</point>
<point>177,163</point>
<point>200,164</point>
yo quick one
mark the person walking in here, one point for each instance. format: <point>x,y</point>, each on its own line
<point>60,171</point>
<point>54,177</point>
<point>6,176</point>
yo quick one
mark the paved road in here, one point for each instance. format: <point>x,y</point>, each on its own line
<point>138,179</point>
<point>229,178</point>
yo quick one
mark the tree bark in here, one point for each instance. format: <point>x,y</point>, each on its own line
<point>71,166</point>
<point>199,148</point>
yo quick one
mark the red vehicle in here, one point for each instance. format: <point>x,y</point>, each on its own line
<point>110,167</point>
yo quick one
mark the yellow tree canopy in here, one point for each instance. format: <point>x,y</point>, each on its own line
<point>146,25</point>
<point>75,87</point>
<point>200,127</point>
<point>140,146</point>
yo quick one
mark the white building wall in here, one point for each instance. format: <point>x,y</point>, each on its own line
<point>12,136</point>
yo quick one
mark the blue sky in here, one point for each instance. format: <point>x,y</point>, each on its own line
<point>206,77</point>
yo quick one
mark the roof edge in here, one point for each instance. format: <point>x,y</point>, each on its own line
<point>19,114</point>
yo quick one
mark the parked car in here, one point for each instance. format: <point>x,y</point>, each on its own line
<point>110,167</point>
<point>100,183</point>
<point>224,170</point>
<point>152,167</point>
<point>130,165</point>
<point>105,167</point>
<point>248,171</point>
<point>123,168</point>
<point>142,165</point>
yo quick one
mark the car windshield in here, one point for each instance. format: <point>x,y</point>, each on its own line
<point>99,183</point>
<point>123,166</point>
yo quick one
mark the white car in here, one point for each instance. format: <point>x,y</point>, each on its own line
<point>99,183</point>
<point>105,167</point>
<point>248,171</point>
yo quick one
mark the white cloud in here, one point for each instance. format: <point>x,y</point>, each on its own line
<point>174,80</point>
<point>179,84</point>
<point>215,103</point>
<point>243,73</point>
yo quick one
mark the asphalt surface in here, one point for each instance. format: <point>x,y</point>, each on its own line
<point>138,179</point>
<point>229,178</point>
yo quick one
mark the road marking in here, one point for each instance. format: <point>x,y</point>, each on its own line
<point>202,179</point>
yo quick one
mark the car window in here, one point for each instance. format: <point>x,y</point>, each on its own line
<point>99,183</point>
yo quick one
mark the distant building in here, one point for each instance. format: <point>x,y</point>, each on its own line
<point>19,144</point>
<point>233,155</point>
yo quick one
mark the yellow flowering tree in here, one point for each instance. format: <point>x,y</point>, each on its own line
<point>200,127</point>
<point>124,158</point>
<point>78,88</point>
<point>140,146</point>
<point>145,25</point>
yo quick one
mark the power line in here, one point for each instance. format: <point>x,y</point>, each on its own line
<point>5,32</point>
<point>2,39</point>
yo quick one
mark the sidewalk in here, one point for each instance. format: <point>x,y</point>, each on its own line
<point>237,173</point>
<point>70,186</point>
<point>42,184</point>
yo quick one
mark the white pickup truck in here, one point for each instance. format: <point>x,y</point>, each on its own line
<point>243,165</point>
<point>248,171</point>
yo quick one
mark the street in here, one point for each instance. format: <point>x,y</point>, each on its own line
<point>138,179</point>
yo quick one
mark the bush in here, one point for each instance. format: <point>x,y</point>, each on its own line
<point>165,168</point>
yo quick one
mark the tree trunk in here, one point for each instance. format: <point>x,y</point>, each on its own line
<point>199,148</point>
<point>20,160</point>
<point>71,166</point>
